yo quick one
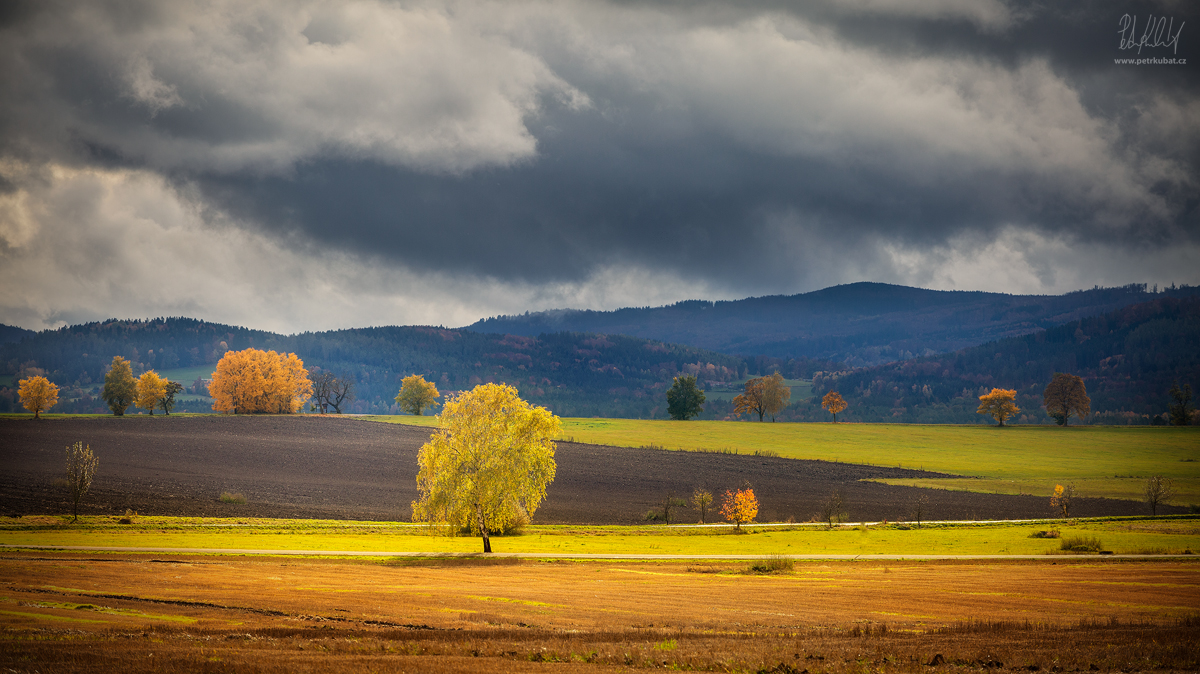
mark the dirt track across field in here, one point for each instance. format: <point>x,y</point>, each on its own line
<point>342,468</point>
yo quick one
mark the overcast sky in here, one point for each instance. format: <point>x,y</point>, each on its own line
<point>291,166</point>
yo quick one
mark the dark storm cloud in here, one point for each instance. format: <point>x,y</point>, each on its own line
<point>483,155</point>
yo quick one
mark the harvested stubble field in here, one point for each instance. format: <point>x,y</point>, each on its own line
<point>169,613</point>
<point>339,468</point>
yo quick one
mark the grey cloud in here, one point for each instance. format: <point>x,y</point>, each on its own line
<point>494,154</point>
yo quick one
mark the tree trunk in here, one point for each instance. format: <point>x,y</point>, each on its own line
<point>487,542</point>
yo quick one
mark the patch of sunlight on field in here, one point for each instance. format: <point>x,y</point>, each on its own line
<point>1122,536</point>
<point>1187,490</point>
<point>406,419</point>
<point>1116,459</point>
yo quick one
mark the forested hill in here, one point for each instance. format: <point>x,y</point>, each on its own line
<point>9,333</point>
<point>859,324</point>
<point>1128,360</point>
<point>572,374</point>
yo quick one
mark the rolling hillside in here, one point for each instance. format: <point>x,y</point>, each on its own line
<point>1128,360</point>
<point>572,374</point>
<point>860,324</point>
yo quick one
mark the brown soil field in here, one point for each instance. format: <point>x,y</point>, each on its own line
<point>157,613</point>
<point>341,468</point>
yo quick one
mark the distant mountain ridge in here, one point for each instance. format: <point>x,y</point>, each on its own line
<point>860,324</point>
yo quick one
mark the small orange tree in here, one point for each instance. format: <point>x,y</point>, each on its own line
<point>999,403</point>
<point>751,399</point>
<point>833,402</point>
<point>739,506</point>
<point>37,394</point>
<point>254,381</point>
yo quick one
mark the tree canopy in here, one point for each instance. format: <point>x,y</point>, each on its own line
<point>151,389</point>
<point>1065,395</point>
<point>332,390</point>
<point>416,394</point>
<point>120,389</point>
<point>739,506</point>
<point>833,403</point>
<point>170,390</point>
<point>488,464</point>
<point>684,399</point>
<point>1181,404</point>
<point>37,395</point>
<point>998,403</point>
<point>253,381</point>
<point>763,395</point>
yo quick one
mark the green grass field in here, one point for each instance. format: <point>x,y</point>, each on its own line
<point>187,375</point>
<point>1111,461</point>
<point>801,389</point>
<point>1128,535</point>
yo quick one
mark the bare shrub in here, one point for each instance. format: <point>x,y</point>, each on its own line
<point>1159,490</point>
<point>772,564</point>
<point>81,467</point>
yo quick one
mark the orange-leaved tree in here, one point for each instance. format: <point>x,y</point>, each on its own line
<point>253,381</point>
<point>763,395</point>
<point>151,389</point>
<point>751,399</point>
<point>834,403</point>
<point>37,394</point>
<point>739,506</point>
<point>999,403</point>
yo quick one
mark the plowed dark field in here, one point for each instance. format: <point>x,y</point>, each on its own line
<point>342,468</point>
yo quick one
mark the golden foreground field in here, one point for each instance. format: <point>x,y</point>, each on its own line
<point>210,613</point>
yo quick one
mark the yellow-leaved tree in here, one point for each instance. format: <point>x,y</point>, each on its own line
<point>37,395</point>
<point>999,403</point>
<point>416,394</point>
<point>739,506</point>
<point>151,389</point>
<point>488,464</point>
<point>254,382</point>
<point>833,403</point>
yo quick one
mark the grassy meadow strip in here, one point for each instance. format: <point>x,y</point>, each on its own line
<point>1121,536</point>
<point>1111,461</point>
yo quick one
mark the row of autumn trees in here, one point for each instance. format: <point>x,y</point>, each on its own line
<point>764,396</point>
<point>1066,396</point>
<point>250,381</point>
<point>121,390</point>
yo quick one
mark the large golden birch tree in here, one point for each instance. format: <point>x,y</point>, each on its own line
<point>488,464</point>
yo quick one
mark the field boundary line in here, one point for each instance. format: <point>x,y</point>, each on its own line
<point>580,556</point>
